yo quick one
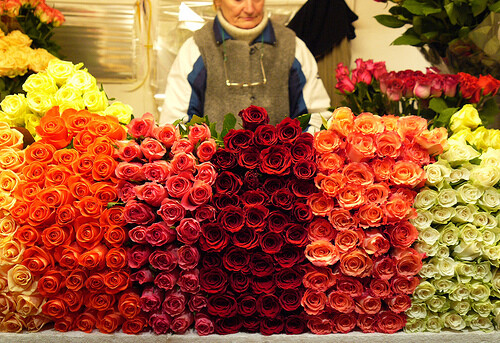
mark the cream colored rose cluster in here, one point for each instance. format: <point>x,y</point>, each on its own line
<point>459,231</point>
<point>17,57</point>
<point>20,301</point>
<point>62,84</point>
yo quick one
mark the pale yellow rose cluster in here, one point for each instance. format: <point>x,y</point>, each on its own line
<point>62,84</point>
<point>20,301</point>
<point>16,56</point>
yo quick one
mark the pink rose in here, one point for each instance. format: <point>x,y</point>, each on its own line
<point>131,171</point>
<point>181,323</point>
<point>188,231</point>
<point>199,133</point>
<point>189,257</point>
<point>160,322</point>
<point>183,162</point>
<point>138,255</point>
<point>165,260</point>
<point>166,134</point>
<point>189,281</point>
<point>203,324</point>
<point>205,213</point>
<point>206,150</point>
<point>129,151</point>
<point>167,280</point>
<point>182,145</point>
<point>206,172</point>
<point>158,171</point>
<point>151,192</point>
<point>178,185</point>
<point>138,234</point>
<point>141,127</point>
<point>159,234</point>
<point>171,211</point>
<point>139,213</point>
<point>197,303</point>
<point>151,299</point>
<point>152,149</point>
<point>125,190</point>
<point>199,194</point>
<point>174,303</point>
<point>142,276</point>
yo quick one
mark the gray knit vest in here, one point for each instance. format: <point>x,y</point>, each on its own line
<point>243,65</point>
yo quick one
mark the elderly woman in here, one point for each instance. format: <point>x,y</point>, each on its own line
<point>243,58</point>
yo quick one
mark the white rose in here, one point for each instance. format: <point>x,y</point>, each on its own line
<point>442,215</point>
<point>459,293</point>
<point>462,307</point>
<point>429,236</point>
<point>429,270</point>
<point>490,157</point>
<point>483,272</point>
<point>422,220</point>
<point>490,200</point>
<point>435,173</point>
<point>447,197</point>
<point>459,152</point>
<point>444,285</point>
<point>464,214</point>
<point>449,235</point>
<point>485,176</point>
<point>491,252</point>
<point>424,248</point>
<point>425,199</point>
<point>469,233</point>
<point>60,71</point>
<point>467,252</point>
<point>414,325</point>
<point>485,220</point>
<point>15,107</point>
<point>442,251</point>
<point>478,322</point>
<point>417,310</point>
<point>457,175</point>
<point>490,236</point>
<point>425,290</point>
<point>434,324</point>
<point>453,321</point>
<point>438,303</point>
<point>484,307</point>
<point>469,194</point>
<point>479,292</point>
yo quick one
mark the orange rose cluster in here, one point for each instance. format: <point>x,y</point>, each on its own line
<point>73,235</point>
<point>363,268</point>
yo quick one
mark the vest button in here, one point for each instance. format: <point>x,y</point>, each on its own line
<point>252,51</point>
<point>252,98</point>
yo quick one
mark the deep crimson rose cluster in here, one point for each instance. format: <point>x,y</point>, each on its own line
<point>74,240</point>
<point>363,268</point>
<point>165,181</point>
<point>252,266</point>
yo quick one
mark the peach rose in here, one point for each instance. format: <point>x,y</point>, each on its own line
<point>382,168</point>
<point>9,180</point>
<point>326,141</point>
<point>358,173</point>
<point>410,127</point>
<point>322,253</point>
<point>10,137</point>
<point>36,323</point>
<point>314,302</point>
<point>330,184</point>
<point>405,173</point>
<point>351,196</point>
<point>341,219</point>
<point>434,141</point>
<point>11,252</point>
<point>12,159</point>
<point>330,162</point>
<point>8,228</point>
<point>319,204</point>
<point>360,147</point>
<point>390,122</point>
<point>388,144</point>
<point>368,124</point>
<point>12,322</point>
<point>356,263</point>
<point>375,243</point>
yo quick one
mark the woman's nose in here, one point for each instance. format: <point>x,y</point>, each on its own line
<point>249,6</point>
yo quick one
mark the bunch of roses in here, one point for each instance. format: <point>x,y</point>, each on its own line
<point>359,242</point>
<point>73,239</point>
<point>165,181</point>
<point>253,266</point>
<point>458,226</point>
<point>20,302</point>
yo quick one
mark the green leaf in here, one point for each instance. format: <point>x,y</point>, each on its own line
<point>420,8</point>
<point>431,10</point>
<point>478,6</point>
<point>495,7</point>
<point>443,119</point>
<point>389,21</point>
<point>438,105</point>
<point>406,39</point>
<point>213,130</point>
<point>488,112</point>
<point>197,120</point>
<point>228,124</point>
<point>430,35</point>
<point>304,120</point>
<point>452,12</point>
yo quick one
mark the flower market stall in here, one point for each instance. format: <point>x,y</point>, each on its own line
<point>383,226</point>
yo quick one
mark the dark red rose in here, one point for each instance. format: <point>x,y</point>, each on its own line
<point>380,288</point>
<point>239,282</point>
<point>276,160</point>
<point>236,259</point>
<point>151,299</point>
<point>189,281</point>
<point>213,280</point>
<point>174,303</point>
<point>253,116</point>
<point>138,255</point>
<point>197,303</point>
<point>238,140</point>
<point>212,260</point>
<point>228,183</point>
<point>160,322</point>
<point>205,213</point>
<point>213,237</point>
<point>255,216</point>
<point>344,322</point>
<point>138,234</point>
<point>288,130</point>
<point>289,256</point>
<point>384,267</point>
<point>203,324</point>
<point>398,303</point>
<point>265,135</point>
<point>246,238</point>
<point>268,305</point>
<point>263,285</point>
<point>142,276</point>
<point>269,326</point>
<point>188,231</point>
<point>171,211</point>
<point>271,242</point>
<point>247,305</point>
<point>159,233</point>
<point>181,323</point>
<point>272,184</point>
<point>284,199</point>
<point>167,280</point>
<point>302,150</point>
<point>226,326</point>
<point>254,197</point>
<point>261,264</point>
<point>188,257</point>
<point>231,218</point>
<point>302,213</point>
<point>224,200</point>
<point>304,169</point>
<point>165,260</point>
<point>223,305</point>
<point>367,322</point>
<point>303,188</point>
<point>290,299</point>
<point>251,323</point>
<point>288,278</point>
<point>251,179</point>
<point>295,325</point>
<point>350,285</point>
<point>390,322</point>
<point>277,221</point>
<point>296,234</point>
<point>224,159</point>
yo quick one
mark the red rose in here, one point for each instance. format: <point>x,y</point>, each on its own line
<point>222,305</point>
<point>254,197</point>
<point>165,260</point>
<point>125,190</point>
<point>320,230</point>
<point>277,221</point>
<point>289,255</point>
<point>213,280</point>
<point>181,323</point>
<point>296,234</point>
<point>139,213</point>
<point>166,280</point>
<point>160,322</point>
<point>213,238</point>
<point>236,259</point>
<point>253,116</point>
<point>249,158</point>
<point>261,264</point>
<point>151,299</point>
<point>247,305</point>
<point>199,133</point>
<point>380,288</point>
<point>131,171</point>
<point>265,135</point>
<point>182,145</point>
<point>95,283</point>
<point>222,201</point>
<point>246,238</point>
<point>238,140</point>
<point>174,303</point>
<point>228,183</point>
<point>302,213</point>
<point>284,199</point>
<point>188,231</point>
<point>271,242</point>
<point>135,325</point>
<point>99,301</point>
<point>255,216</point>
<point>295,325</point>
<point>384,267</point>
<point>116,281</point>
<point>290,299</point>
<point>239,282</point>
<point>276,160</point>
<point>157,234</point>
<point>231,218</point>
<point>402,234</point>
<point>367,304</point>
<point>302,149</point>
<point>469,87</point>
<point>390,322</point>
<point>152,149</point>
<point>398,303</point>
<point>205,213</point>
<point>367,322</point>
<point>268,305</point>
<point>224,159</point>
<point>171,211</point>
<point>203,325</point>
<point>138,255</point>
<point>263,285</point>
<point>189,281</point>
<point>288,130</point>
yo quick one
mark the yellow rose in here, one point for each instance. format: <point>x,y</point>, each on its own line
<point>466,117</point>
<point>29,305</point>
<point>11,159</point>
<point>7,304</point>
<point>82,80</point>
<point>17,38</point>
<point>36,323</point>
<point>41,82</point>
<point>40,102</point>
<point>464,135</point>
<point>479,138</point>
<point>7,65</point>
<point>5,119</point>
<point>122,111</point>
<point>13,322</point>
<point>20,280</point>
<point>15,107</point>
<point>11,253</point>
<point>494,138</point>
<point>69,97</point>
<point>95,100</point>
<point>10,137</point>
<point>39,60</point>
<point>8,228</point>
<point>61,70</point>
<point>31,121</point>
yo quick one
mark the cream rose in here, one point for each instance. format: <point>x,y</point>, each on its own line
<point>11,253</point>
<point>485,176</point>
<point>82,80</point>
<point>464,214</point>
<point>20,280</point>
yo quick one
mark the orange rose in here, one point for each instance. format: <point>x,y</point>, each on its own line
<point>20,212</point>
<point>342,121</point>
<point>326,141</point>
<point>356,263</point>
<point>341,302</point>
<point>77,121</point>
<point>398,208</point>
<point>100,301</point>
<point>358,173</point>
<point>405,173</point>
<point>66,214</point>
<point>371,215</point>
<point>108,126</point>
<point>390,122</point>
<point>65,323</point>
<point>314,302</point>
<point>344,322</point>
<point>57,175</point>
<point>89,206</point>
<point>35,172</point>
<point>320,325</point>
<point>79,187</point>
<point>135,325</point>
<point>360,147</point>
<point>94,258</point>
<point>115,236</point>
<point>348,240</point>
<point>86,322</point>
<point>368,123</point>
<point>83,140</point>
<point>322,253</point>
<point>11,159</point>
<point>341,219</point>
<point>76,279</point>
<point>52,129</point>
<point>67,256</point>
<point>54,236</point>
<point>402,234</point>
<point>116,258</point>
<point>55,308</point>
<point>330,184</point>
<point>128,305</point>
<point>382,168</point>
<point>27,191</point>
<point>40,152</point>
<point>52,282</point>
<point>388,144</point>
<point>368,305</point>
<point>55,196</point>
<point>109,321</point>
<point>410,127</point>
<point>415,153</point>
<point>40,214</point>
<point>88,232</point>
<point>37,260</point>
<point>28,235</point>
<point>116,281</point>
<point>319,204</point>
<point>10,137</point>
<point>377,193</point>
<point>102,145</point>
<point>104,192</point>
<point>104,167</point>
<point>375,243</point>
<point>330,162</point>
<point>320,229</point>
<point>112,217</point>
<point>404,285</point>
<point>351,196</point>
<point>434,141</point>
<point>66,157</point>
<point>319,279</point>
